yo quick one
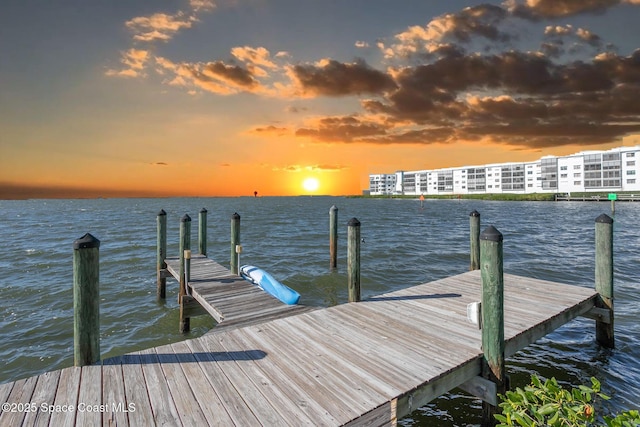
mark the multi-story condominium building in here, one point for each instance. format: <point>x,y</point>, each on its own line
<point>612,170</point>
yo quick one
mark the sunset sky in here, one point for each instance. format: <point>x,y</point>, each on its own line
<point>228,97</point>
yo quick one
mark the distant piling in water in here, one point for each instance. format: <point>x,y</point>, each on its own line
<point>161,255</point>
<point>353,259</point>
<point>202,232</point>
<point>86,300</point>
<point>235,242</point>
<point>333,237</point>
<point>604,278</point>
<point>474,240</point>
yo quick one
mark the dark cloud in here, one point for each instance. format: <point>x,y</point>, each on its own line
<point>549,9</point>
<point>343,129</point>
<point>518,98</point>
<point>234,74</point>
<point>270,130</point>
<point>481,20</point>
<point>335,78</point>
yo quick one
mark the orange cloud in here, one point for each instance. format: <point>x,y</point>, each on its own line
<point>158,26</point>
<point>134,61</point>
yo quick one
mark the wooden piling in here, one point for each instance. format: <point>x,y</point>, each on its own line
<point>474,240</point>
<point>187,269</point>
<point>333,237</point>
<point>185,259</point>
<point>235,240</point>
<point>491,270</point>
<point>202,232</point>
<point>604,278</point>
<point>185,243</point>
<point>353,259</point>
<point>161,245</point>
<point>86,300</point>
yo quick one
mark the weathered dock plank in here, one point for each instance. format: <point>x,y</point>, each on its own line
<point>66,398</point>
<point>44,392</point>
<point>135,391</point>
<point>21,395</point>
<point>212,359</point>
<point>163,408</point>
<point>89,412</point>
<point>113,394</point>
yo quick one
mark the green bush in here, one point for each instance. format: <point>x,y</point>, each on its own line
<point>548,404</point>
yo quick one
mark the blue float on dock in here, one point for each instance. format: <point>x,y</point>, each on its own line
<point>266,282</point>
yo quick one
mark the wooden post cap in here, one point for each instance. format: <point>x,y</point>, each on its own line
<point>491,234</point>
<point>187,254</point>
<point>333,209</point>
<point>162,212</point>
<point>474,213</point>
<point>353,222</point>
<point>235,216</point>
<point>86,241</point>
<point>604,219</point>
<point>185,218</point>
<point>203,210</point>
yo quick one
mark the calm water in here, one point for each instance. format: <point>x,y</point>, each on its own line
<point>404,245</point>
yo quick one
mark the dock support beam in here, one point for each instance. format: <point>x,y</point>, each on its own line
<point>474,240</point>
<point>202,232</point>
<point>604,278</point>
<point>86,300</point>
<point>235,240</point>
<point>185,244</point>
<point>161,265</point>
<point>333,237</point>
<point>493,366</point>
<point>353,259</point>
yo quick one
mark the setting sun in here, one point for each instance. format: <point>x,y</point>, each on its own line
<point>310,184</point>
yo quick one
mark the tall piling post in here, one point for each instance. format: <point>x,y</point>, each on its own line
<point>333,237</point>
<point>474,240</point>
<point>202,232</point>
<point>604,278</point>
<point>353,259</point>
<point>185,251</point>
<point>185,243</point>
<point>161,245</point>
<point>491,268</point>
<point>235,241</point>
<point>86,300</point>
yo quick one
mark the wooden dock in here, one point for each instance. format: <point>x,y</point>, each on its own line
<point>365,363</point>
<point>228,298</point>
<point>596,198</point>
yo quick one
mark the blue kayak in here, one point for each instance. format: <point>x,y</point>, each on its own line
<point>266,282</point>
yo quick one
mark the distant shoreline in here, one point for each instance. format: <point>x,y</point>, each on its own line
<point>530,197</point>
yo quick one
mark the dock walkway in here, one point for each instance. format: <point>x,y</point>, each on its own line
<point>365,363</point>
<point>228,298</point>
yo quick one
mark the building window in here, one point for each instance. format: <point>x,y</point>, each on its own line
<point>577,182</point>
<point>548,172</point>
<point>631,172</point>
<point>577,175</point>
<point>631,163</point>
<point>529,185</point>
<point>631,154</point>
<point>631,181</point>
<point>576,166</point>
<point>563,168</point>
<point>563,175</point>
